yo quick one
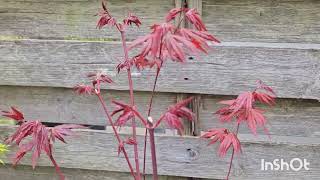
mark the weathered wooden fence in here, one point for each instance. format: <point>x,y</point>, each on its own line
<point>47,46</point>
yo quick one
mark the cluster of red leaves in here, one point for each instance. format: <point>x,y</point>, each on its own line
<point>226,139</point>
<point>176,113</point>
<point>244,109</point>
<point>167,41</point>
<point>107,19</point>
<point>96,80</point>
<point>42,137</point>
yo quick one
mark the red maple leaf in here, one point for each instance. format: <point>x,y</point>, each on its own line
<point>98,78</point>
<point>61,131</point>
<point>126,115</point>
<point>254,118</point>
<point>105,17</point>
<point>262,85</point>
<point>264,98</point>
<point>132,19</point>
<point>83,89</point>
<point>176,113</point>
<point>173,13</point>
<point>225,138</point>
<point>194,18</point>
<point>14,114</point>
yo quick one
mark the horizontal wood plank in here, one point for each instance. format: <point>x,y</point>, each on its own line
<point>290,117</point>
<point>40,173</point>
<point>74,19</point>
<point>61,105</point>
<point>267,21</point>
<point>228,70</point>
<point>189,157</point>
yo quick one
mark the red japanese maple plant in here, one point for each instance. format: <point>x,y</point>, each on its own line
<point>166,41</point>
<point>169,41</point>
<point>33,136</point>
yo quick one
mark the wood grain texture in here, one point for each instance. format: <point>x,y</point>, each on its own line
<point>61,105</point>
<point>188,156</point>
<point>267,21</point>
<point>296,118</point>
<point>44,19</point>
<point>229,69</point>
<point>48,173</point>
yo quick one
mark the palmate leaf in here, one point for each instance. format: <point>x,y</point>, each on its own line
<point>225,138</point>
<point>176,113</point>
<point>126,113</point>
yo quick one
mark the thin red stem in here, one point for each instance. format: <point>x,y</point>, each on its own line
<point>115,132</point>
<point>149,113</point>
<point>145,153</point>
<point>153,154</point>
<point>232,156</point>
<point>58,170</point>
<point>134,133</point>
<point>144,121</point>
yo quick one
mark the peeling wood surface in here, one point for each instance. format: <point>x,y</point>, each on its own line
<point>188,156</point>
<point>42,19</point>
<point>263,21</point>
<point>228,70</point>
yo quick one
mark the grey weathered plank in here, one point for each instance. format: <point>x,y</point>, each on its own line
<point>41,173</point>
<point>292,71</point>
<point>61,105</point>
<point>267,21</point>
<point>288,118</point>
<point>189,156</point>
<point>74,19</point>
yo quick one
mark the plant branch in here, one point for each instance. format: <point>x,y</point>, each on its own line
<point>134,133</point>
<point>58,170</point>
<point>232,156</point>
<point>149,113</point>
<point>115,132</point>
<point>153,154</point>
<point>143,120</point>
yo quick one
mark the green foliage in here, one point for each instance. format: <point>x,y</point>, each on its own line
<point>6,121</point>
<point>3,151</point>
